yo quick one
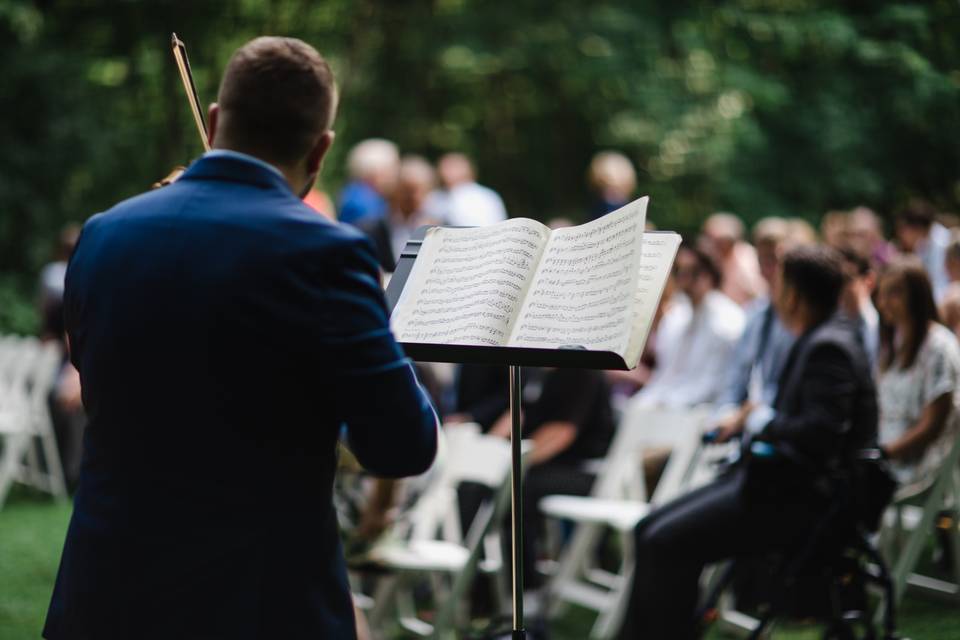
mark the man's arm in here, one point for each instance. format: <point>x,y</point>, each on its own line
<point>552,439</point>
<point>737,379</point>
<point>827,399</point>
<point>391,425</point>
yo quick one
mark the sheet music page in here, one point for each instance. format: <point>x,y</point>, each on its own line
<point>656,262</point>
<point>583,290</point>
<point>467,285</point>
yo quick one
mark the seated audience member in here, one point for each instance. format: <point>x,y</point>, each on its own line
<point>613,180</point>
<point>864,234</point>
<point>950,310</point>
<point>50,294</point>
<point>737,260</point>
<point>919,233</point>
<point>567,415</point>
<point>66,406</point>
<point>825,411</point>
<point>834,226</point>
<point>919,373</point>
<point>373,166</point>
<point>950,303</point>
<point>480,395</point>
<point>951,260</point>
<point>857,303</point>
<point>466,203</point>
<point>801,232</point>
<point>760,355</point>
<point>624,384</point>
<point>695,338</point>
<point>409,210</point>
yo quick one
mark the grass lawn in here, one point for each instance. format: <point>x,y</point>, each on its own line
<point>32,529</point>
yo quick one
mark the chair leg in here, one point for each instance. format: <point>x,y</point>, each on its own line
<point>609,621</point>
<point>571,564</point>
<point>383,599</point>
<point>33,472</point>
<point>10,462</point>
<point>915,542</point>
<point>55,478</point>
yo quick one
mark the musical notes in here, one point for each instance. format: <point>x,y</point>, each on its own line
<point>659,250</point>
<point>467,284</point>
<point>584,288</point>
<point>519,284</point>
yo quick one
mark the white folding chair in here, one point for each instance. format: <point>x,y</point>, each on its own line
<point>428,539</point>
<point>28,371</point>
<point>909,524</point>
<point>618,502</point>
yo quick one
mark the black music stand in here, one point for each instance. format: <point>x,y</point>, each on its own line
<point>514,358</point>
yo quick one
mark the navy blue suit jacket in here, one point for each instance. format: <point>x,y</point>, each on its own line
<point>225,334</point>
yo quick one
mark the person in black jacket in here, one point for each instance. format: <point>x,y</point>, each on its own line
<point>825,410</point>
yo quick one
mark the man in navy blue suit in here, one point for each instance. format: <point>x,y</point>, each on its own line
<point>226,335</point>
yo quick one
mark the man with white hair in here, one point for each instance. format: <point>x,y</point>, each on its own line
<point>467,204</point>
<point>411,207</point>
<point>373,165</point>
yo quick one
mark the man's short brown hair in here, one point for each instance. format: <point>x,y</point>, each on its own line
<point>276,97</point>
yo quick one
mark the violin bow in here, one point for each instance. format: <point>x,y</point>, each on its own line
<point>183,64</point>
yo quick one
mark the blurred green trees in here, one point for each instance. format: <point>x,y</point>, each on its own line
<point>756,106</point>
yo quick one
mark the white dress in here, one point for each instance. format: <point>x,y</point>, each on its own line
<point>903,393</point>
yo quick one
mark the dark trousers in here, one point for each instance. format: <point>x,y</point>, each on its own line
<point>713,523</point>
<point>541,481</point>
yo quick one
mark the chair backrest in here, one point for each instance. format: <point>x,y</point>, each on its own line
<point>644,428</point>
<point>479,458</point>
<point>466,456</point>
<point>45,368</point>
<point>17,371</point>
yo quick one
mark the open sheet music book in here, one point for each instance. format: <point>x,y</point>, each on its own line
<point>519,284</point>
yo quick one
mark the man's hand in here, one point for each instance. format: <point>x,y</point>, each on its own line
<point>502,426</point>
<point>732,424</point>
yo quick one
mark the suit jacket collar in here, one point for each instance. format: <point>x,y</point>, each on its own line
<point>235,168</point>
<point>794,368</point>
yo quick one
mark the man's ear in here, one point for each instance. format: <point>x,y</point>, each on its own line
<point>319,151</point>
<point>213,115</point>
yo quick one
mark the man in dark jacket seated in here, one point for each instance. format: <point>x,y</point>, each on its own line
<point>824,412</point>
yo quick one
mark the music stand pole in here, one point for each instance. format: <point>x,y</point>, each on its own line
<point>516,503</point>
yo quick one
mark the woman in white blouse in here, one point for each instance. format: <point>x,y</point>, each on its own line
<point>919,373</point>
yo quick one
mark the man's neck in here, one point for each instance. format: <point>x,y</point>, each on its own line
<point>295,178</point>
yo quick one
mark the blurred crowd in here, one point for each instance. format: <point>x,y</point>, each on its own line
<point>716,341</point>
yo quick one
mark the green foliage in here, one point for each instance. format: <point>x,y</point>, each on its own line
<point>17,312</point>
<point>761,107</point>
